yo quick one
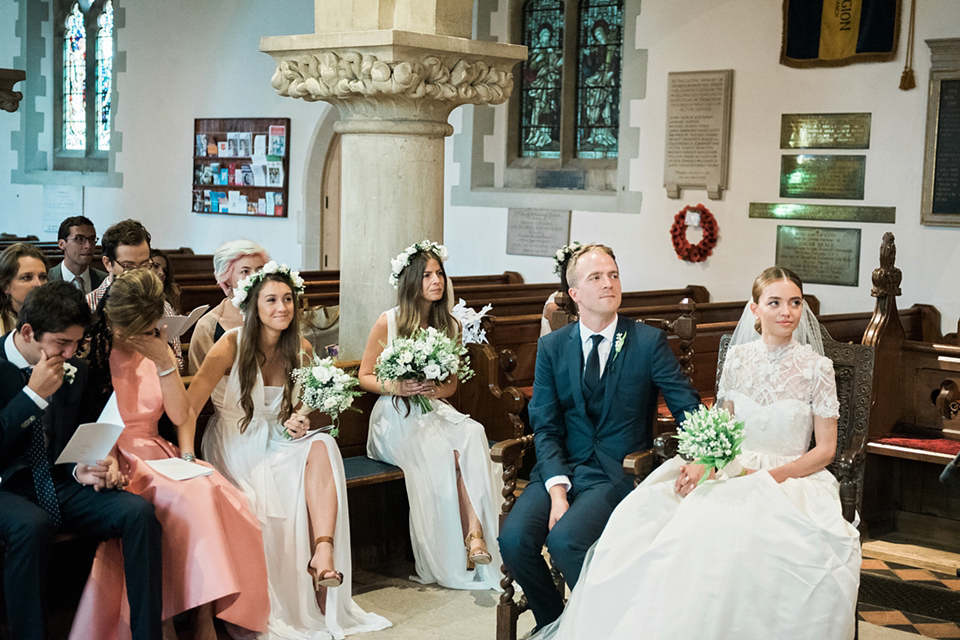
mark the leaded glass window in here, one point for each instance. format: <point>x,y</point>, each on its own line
<point>600,38</point>
<point>104,74</point>
<point>75,81</point>
<point>542,79</point>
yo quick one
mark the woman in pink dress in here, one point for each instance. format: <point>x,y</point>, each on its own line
<point>213,557</point>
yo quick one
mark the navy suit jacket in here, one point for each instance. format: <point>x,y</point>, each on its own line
<point>18,412</point>
<point>96,276</point>
<point>567,440</point>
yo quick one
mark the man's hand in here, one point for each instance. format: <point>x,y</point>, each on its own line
<point>47,375</point>
<point>103,475</point>
<point>558,504</point>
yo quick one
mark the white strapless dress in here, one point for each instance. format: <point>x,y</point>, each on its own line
<point>738,558</point>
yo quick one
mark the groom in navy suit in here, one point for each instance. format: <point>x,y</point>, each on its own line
<point>594,401</point>
<point>40,408</point>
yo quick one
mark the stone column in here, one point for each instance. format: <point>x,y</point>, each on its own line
<point>394,88</point>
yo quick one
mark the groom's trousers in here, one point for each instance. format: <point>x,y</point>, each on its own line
<point>525,532</point>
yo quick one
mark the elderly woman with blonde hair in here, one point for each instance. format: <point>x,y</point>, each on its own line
<point>232,262</point>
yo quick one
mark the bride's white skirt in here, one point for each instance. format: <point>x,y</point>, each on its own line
<point>743,557</point>
<point>423,446</point>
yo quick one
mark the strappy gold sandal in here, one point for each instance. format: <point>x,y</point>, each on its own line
<point>329,577</point>
<point>480,555</point>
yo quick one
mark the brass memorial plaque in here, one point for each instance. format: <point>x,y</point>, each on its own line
<point>822,176</point>
<point>820,255</point>
<point>837,212</point>
<point>825,131</point>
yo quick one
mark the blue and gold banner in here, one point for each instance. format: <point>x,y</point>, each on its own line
<point>835,33</point>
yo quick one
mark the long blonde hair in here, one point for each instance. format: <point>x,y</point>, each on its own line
<point>135,302</point>
<point>250,356</point>
<point>410,294</point>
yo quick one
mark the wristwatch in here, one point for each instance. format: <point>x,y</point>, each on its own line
<point>189,457</point>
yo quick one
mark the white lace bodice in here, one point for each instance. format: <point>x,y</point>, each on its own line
<point>776,392</point>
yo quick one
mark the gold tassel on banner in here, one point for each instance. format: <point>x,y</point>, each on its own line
<point>907,81</point>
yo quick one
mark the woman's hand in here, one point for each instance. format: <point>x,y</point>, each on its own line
<point>689,477</point>
<point>297,426</point>
<point>408,388</point>
<point>153,347</point>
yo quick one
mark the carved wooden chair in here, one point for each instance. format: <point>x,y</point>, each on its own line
<point>510,454</point>
<point>853,366</point>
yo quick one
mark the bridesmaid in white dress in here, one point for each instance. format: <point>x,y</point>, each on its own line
<point>444,454</point>
<point>295,486</point>
<point>764,552</point>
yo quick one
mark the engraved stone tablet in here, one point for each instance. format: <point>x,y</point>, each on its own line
<point>825,131</point>
<point>822,176</point>
<point>536,232</point>
<point>698,131</point>
<point>941,170</point>
<point>820,255</point>
<point>839,212</point>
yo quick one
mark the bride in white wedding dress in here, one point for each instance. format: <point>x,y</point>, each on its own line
<point>765,553</point>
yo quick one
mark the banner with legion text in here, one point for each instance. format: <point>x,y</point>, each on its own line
<point>835,33</point>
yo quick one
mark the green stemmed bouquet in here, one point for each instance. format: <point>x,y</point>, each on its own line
<point>710,437</point>
<point>327,388</point>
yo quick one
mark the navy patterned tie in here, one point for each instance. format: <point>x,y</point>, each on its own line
<point>42,479</point>
<point>591,373</point>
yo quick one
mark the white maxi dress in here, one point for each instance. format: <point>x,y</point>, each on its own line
<point>269,469</point>
<point>423,445</point>
<point>742,557</point>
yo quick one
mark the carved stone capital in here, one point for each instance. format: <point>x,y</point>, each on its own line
<point>344,77</point>
<point>10,99</point>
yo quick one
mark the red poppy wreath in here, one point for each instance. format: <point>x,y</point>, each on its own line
<point>678,233</point>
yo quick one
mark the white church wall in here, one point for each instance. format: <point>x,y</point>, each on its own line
<point>744,35</point>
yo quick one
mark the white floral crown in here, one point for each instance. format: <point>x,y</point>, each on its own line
<point>398,264</point>
<point>244,286</point>
<point>563,257</point>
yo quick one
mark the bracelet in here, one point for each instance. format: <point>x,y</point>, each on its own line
<point>189,457</point>
<point>166,372</point>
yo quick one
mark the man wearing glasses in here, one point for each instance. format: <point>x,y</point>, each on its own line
<point>126,246</point>
<point>77,239</point>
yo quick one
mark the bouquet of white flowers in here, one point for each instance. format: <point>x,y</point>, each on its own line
<point>327,388</point>
<point>710,437</point>
<point>427,355</point>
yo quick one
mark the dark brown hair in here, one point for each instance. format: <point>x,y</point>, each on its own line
<point>410,294</point>
<point>768,275</point>
<point>10,267</point>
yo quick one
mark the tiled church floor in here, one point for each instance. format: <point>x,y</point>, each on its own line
<point>902,578</point>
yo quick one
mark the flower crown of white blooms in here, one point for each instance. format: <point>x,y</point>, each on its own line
<point>563,257</point>
<point>398,264</point>
<point>244,286</point>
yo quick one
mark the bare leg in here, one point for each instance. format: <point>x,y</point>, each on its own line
<point>469,521</point>
<point>203,628</point>
<point>321,493</point>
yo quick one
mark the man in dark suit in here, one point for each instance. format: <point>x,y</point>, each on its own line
<point>41,400</point>
<point>77,238</point>
<point>594,400</point>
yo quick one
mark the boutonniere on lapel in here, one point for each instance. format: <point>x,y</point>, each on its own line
<point>69,372</point>
<point>618,341</point>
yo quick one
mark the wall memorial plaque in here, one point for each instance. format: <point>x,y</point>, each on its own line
<point>838,212</point>
<point>822,176</point>
<point>825,131</point>
<point>941,166</point>
<point>536,232</point>
<point>820,255</point>
<point>698,131</point>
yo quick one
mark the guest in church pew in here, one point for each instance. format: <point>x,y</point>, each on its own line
<point>444,454</point>
<point>41,406</point>
<point>294,479</point>
<point>164,271</point>
<point>594,400</point>
<point>126,246</point>
<point>560,268</point>
<point>763,552</point>
<point>212,546</point>
<point>22,269</point>
<point>232,262</point>
<point>77,238</point>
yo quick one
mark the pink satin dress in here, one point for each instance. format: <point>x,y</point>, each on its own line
<point>212,546</point>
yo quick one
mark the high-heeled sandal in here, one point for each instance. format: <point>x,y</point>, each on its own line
<point>319,580</point>
<point>480,555</point>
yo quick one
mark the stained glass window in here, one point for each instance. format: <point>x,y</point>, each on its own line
<point>104,74</point>
<point>600,37</point>
<point>541,79</point>
<point>75,81</point>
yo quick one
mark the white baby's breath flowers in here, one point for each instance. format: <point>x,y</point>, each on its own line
<point>245,285</point>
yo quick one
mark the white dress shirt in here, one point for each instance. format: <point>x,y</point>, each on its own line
<point>16,358</point>
<point>70,276</point>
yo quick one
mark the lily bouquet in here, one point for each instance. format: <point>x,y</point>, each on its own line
<point>710,437</point>
<point>427,355</point>
<point>324,387</point>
